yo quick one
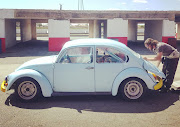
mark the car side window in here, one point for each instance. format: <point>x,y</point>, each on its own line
<point>80,55</point>
<point>109,55</point>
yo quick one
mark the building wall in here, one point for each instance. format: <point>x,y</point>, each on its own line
<point>153,29</point>
<point>6,29</point>
<point>168,30</point>
<point>2,26</point>
<point>117,29</point>
<point>178,30</point>
<point>10,31</point>
<point>2,36</point>
<point>6,13</point>
<point>59,33</point>
<point>59,30</point>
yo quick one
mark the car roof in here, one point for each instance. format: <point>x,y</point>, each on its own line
<point>94,41</point>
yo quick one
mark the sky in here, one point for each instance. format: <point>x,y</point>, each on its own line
<point>159,5</point>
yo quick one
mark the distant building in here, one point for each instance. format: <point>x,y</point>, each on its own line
<point>123,26</point>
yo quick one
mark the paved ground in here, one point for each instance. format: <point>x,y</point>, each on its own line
<point>91,111</point>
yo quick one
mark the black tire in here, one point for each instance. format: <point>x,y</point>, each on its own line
<point>27,89</point>
<point>132,89</point>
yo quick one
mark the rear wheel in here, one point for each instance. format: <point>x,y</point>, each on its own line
<point>27,89</point>
<point>133,89</point>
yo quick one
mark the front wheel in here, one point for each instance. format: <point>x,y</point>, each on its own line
<point>27,89</point>
<point>133,89</point>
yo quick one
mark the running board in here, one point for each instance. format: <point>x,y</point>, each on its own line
<point>79,93</point>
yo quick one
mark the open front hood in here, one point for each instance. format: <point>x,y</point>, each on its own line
<point>152,68</point>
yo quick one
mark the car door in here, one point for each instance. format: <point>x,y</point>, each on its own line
<point>74,71</point>
<point>109,63</point>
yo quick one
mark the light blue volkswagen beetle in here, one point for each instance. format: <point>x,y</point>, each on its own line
<point>86,66</point>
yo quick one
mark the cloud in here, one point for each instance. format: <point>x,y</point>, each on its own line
<point>140,1</point>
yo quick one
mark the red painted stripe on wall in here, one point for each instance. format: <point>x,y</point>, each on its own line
<point>165,38</point>
<point>56,44</point>
<point>3,45</point>
<point>120,39</point>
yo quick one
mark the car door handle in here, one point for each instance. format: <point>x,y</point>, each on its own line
<point>89,68</point>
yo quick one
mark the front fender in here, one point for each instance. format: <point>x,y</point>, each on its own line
<point>132,72</point>
<point>46,87</point>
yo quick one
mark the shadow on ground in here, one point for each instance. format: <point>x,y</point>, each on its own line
<point>29,48</point>
<point>153,102</point>
<point>139,48</point>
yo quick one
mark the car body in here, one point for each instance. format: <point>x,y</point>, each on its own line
<point>86,66</point>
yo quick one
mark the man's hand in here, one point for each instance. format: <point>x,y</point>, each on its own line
<point>145,58</point>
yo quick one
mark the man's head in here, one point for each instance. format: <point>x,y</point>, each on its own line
<point>150,43</point>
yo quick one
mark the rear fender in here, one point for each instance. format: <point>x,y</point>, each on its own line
<point>132,72</point>
<point>45,85</point>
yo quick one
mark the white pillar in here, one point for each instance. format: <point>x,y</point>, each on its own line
<point>91,29</point>
<point>105,29</point>
<point>117,29</point>
<point>2,36</point>
<point>132,30</point>
<point>33,30</point>
<point>26,30</point>
<point>168,30</point>
<point>59,33</point>
<point>96,29</point>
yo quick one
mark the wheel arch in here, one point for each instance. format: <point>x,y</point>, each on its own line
<point>46,87</point>
<point>131,73</point>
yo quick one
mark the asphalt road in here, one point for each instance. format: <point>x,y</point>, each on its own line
<point>156,109</point>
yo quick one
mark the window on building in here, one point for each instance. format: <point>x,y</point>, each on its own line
<point>140,31</point>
